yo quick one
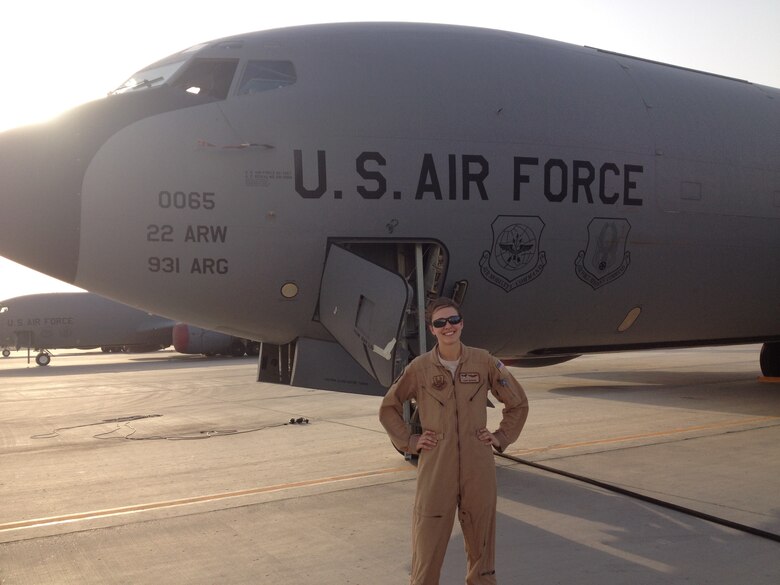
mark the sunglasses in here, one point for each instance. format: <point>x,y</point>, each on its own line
<point>439,323</point>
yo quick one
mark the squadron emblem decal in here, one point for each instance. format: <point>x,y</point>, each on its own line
<point>438,382</point>
<point>515,258</point>
<point>605,259</point>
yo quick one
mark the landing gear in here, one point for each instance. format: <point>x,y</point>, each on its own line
<point>43,358</point>
<point>412,419</point>
<point>770,360</point>
<point>237,348</point>
<point>6,352</point>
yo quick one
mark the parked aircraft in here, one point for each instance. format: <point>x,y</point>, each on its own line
<point>314,187</point>
<point>191,339</point>
<point>47,321</point>
<point>43,322</point>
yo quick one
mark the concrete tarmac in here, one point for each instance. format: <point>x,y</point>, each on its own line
<point>172,469</point>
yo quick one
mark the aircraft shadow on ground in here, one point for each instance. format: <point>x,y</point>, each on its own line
<point>556,530</point>
<point>728,392</point>
<point>143,362</point>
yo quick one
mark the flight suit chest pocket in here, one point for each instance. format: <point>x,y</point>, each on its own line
<point>476,393</point>
<point>432,404</point>
<point>477,405</point>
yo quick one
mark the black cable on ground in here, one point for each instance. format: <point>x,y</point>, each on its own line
<point>649,499</point>
<point>206,434</point>
<point>56,432</point>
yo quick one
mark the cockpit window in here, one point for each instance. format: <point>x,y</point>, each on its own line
<point>262,76</point>
<point>208,77</point>
<point>3,309</point>
<point>150,77</point>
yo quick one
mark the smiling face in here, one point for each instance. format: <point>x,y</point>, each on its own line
<point>448,336</point>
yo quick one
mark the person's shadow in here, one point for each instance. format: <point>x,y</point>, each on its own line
<point>552,529</point>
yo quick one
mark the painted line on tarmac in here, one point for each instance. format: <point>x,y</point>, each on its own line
<point>38,522</point>
<point>667,433</point>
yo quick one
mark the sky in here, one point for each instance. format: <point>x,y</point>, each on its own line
<point>56,55</point>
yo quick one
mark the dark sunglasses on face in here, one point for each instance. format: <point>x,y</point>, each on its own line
<point>439,323</point>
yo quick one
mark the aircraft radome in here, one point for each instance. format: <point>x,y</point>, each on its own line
<point>320,184</point>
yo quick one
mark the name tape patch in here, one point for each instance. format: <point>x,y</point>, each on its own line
<point>469,378</point>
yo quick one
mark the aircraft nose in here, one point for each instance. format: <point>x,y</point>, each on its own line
<point>41,172</point>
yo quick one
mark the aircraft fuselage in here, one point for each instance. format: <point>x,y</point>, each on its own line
<point>585,200</point>
<point>78,320</point>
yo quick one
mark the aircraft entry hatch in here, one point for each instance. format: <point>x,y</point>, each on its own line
<point>364,307</point>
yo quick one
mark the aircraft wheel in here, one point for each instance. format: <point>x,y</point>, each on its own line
<point>42,359</point>
<point>6,352</point>
<point>411,458</point>
<point>770,360</point>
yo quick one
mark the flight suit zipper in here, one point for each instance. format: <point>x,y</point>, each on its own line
<point>457,428</point>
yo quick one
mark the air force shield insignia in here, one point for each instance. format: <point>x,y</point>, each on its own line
<point>605,259</point>
<point>515,258</point>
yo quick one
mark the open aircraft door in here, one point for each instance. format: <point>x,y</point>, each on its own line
<point>364,306</point>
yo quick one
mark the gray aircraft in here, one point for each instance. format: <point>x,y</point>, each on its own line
<point>47,321</point>
<point>314,187</point>
<point>191,339</point>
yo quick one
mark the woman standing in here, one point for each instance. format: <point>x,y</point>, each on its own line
<point>456,470</point>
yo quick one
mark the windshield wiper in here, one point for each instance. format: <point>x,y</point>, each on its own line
<point>147,83</point>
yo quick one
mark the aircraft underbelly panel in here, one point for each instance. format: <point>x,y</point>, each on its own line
<point>363,305</point>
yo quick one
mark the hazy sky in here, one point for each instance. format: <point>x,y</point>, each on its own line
<point>58,54</point>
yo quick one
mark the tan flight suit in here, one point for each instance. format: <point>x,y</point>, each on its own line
<point>459,471</point>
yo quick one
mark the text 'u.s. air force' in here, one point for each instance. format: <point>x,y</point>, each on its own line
<point>467,176</point>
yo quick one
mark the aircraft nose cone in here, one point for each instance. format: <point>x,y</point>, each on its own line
<point>41,173</point>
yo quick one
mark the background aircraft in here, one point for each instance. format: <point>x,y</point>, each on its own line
<point>315,187</point>
<point>47,321</point>
<point>43,322</point>
<point>192,339</point>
